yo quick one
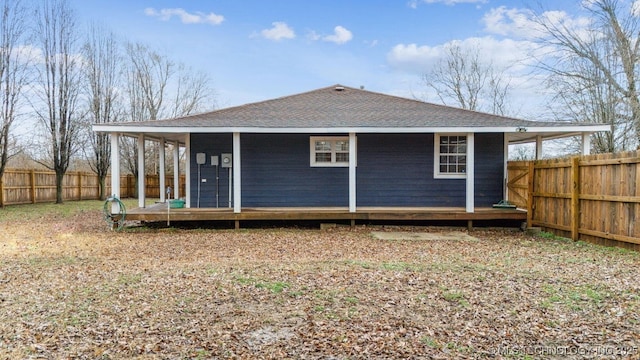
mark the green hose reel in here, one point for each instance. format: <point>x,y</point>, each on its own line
<point>114,219</point>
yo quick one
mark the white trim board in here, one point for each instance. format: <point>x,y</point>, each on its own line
<point>347,130</point>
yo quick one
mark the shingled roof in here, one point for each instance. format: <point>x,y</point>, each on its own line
<point>341,106</point>
<point>342,109</point>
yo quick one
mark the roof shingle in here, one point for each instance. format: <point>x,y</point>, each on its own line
<point>341,106</point>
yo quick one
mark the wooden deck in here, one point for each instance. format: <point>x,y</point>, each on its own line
<point>158,212</point>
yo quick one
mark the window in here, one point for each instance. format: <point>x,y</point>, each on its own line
<point>450,156</point>
<point>329,151</point>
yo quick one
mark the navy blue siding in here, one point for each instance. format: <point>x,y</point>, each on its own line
<point>489,169</point>
<point>210,144</point>
<point>397,170</point>
<point>393,170</point>
<point>276,172</point>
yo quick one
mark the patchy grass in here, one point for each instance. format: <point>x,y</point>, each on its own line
<point>456,297</point>
<point>275,287</point>
<point>49,211</point>
<point>70,288</point>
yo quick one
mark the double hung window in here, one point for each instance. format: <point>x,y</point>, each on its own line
<point>450,156</point>
<point>329,151</point>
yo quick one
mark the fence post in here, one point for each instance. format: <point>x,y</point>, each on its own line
<point>575,198</point>
<point>33,186</point>
<point>79,185</point>
<point>530,197</point>
<point>1,191</point>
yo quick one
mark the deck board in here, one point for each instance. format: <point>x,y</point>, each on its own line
<point>158,212</point>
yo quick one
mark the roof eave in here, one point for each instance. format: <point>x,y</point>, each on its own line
<point>114,128</point>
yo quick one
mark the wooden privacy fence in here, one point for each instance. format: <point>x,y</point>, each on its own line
<point>593,198</point>
<point>36,186</point>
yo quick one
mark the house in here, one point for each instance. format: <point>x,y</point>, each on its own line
<point>340,148</point>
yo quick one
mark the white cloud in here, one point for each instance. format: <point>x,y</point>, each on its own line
<point>520,23</point>
<point>508,22</point>
<point>414,3</point>
<point>28,53</point>
<point>185,17</point>
<point>513,57</point>
<point>279,31</point>
<point>413,58</point>
<point>635,8</point>
<point>504,53</point>
<point>340,36</point>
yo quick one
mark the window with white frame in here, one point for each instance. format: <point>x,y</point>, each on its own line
<point>450,156</point>
<point>329,151</point>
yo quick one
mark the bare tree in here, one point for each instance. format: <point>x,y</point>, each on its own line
<point>498,92</point>
<point>159,88</point>
<point>102,57</point>
<point>611,48</point>
<point>522,152</point>
<point>591,98</point>
<point>192,93</point>
<point>148,75</point>
<point>462,78</point>
<point>59,84</point>
<point>14,71</point>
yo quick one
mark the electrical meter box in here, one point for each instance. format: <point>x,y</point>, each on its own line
<point>201,158</point>
<point>227,160</point>
<point>214,160</point>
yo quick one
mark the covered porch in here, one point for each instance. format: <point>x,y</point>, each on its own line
<point>337,153</point>
<point>235,210</point>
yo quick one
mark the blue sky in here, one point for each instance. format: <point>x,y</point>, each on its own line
<point>255,50</point>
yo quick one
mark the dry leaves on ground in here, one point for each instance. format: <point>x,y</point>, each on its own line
<point>71,289</point>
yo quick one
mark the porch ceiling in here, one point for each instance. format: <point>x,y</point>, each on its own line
<point>530,137</point>
<point>169,137</point>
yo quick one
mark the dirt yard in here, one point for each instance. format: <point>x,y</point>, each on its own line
<point>70,288</point>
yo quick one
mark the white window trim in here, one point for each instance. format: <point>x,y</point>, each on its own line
<point>436,158</point>
<point>332,139</point>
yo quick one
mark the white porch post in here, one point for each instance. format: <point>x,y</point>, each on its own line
<point>187,170</point>
<point>141,172</point>
<point>538,147</point>
<point>586,143</point>
<point>163,186</point>
<point>115,170</point>
<point>470,173</point>
<point>237,180</point>
<point>505,182</point>
<point>352,172</point>
<point>176,169</point>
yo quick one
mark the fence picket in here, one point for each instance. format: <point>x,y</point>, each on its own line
<point>593,198</point>
<point>36,186</point>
